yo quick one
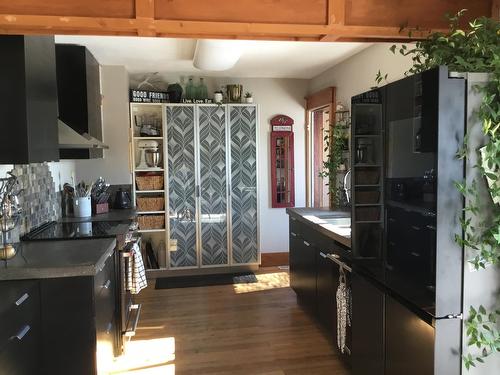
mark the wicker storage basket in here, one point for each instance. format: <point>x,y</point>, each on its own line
<point>149,182</point>
<point>151,222</point>
<point>150,203</point>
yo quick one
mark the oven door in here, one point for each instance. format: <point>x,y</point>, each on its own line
<point>129,311</point>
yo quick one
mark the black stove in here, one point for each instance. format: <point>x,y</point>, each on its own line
<point>78,230</point>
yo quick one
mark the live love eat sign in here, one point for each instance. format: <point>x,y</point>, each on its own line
<point>281,123</point>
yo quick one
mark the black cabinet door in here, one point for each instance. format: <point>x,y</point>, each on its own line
<point>409,342</point>
<point>326,287</point>
<point>367,327</point>
<point>28,94</point>
<point>79,98</point>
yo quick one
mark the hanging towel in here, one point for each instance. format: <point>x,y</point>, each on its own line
<point>136,278</point>
<point>343,297</point>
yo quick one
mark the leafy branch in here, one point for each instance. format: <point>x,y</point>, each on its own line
<point>476,49</point>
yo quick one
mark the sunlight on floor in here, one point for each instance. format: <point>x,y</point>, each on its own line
<point>266,281</point>
<point>147,357</point>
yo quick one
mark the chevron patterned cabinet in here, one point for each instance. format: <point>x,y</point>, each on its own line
<point>211,196</point>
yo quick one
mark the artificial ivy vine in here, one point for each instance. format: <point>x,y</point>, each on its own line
<point>476,49</point>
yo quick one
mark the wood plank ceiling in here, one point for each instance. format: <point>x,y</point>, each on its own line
<point>311,20</point>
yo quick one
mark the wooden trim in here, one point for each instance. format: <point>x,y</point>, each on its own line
<point>495,9</point>
<point>274,259</point>
<point>320,98</point>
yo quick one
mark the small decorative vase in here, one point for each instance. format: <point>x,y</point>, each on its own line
<point>218,97</point>
<point>249,100</point>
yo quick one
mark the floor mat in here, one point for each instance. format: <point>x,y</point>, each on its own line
<point>205,280</point>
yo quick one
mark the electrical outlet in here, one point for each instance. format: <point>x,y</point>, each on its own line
<point>173,245</point>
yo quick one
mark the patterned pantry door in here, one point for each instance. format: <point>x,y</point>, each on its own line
<point>213,199</point>
<point>243,125</point>
<point>181,184</point>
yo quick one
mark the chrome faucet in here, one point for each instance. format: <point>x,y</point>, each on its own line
<point>347,190</point>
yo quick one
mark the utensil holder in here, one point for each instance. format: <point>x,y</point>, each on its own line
<point>82,207</point>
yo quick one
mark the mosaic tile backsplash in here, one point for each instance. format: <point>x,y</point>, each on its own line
<point>39,198</point>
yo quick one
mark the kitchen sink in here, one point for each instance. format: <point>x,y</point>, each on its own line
<point>342,222</point>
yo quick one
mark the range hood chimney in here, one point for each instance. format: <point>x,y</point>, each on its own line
<point>70,139</point>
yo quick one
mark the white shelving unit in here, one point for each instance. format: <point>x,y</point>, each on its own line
<point>149,113</point>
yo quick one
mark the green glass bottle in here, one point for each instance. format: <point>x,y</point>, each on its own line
<point>190,89</point>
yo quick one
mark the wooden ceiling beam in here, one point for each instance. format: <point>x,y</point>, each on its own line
<point>145,11</point>
<point>92,25</point>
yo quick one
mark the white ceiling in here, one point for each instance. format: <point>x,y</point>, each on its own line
<point>264,59</point>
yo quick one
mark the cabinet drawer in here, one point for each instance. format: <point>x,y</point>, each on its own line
<point>23,307</point>
<point>12,292</point>
<point>20,356</point>
<point>106,276</point>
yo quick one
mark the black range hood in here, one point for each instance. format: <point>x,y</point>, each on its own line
<point>79,99</point>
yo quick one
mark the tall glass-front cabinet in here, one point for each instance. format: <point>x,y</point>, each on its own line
<point>210,185</point>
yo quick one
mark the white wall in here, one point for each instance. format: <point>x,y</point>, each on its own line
<point>357,74</point>
<point>114,167</point>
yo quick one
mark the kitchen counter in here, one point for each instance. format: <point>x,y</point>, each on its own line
<point>55,259</point>
<point>127,214</point>
<point>317,219</point>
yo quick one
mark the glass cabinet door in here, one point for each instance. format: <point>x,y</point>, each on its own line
<point>282,174</point>
<point>181,186</point>
<point>213,181</point>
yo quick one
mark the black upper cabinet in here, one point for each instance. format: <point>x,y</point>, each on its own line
<point>415,99</point>
<point>28,94</point>
<point>79,96</point>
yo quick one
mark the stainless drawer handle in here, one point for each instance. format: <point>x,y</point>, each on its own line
<point>415,254</point>
<point>415,227</point>
<point>431,227</point>
<point>106,286</point>
<point>293,234</point>
<point>108,328</point>
<point>23,298</point>
<point>21,333</point>
<point>323,255</point>
<point>307,243</point>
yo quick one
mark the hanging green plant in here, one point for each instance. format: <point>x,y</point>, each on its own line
<point>476,49</point>
<point>336,142</point>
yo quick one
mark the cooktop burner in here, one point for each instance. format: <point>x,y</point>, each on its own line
<point>74,231</point>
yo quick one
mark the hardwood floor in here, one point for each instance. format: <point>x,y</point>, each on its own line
<point>243,329</point>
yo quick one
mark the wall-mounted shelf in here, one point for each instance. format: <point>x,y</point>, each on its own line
<point>150,170</point>
<point>150,212</point>
<point>149,191</point>
<point>148,138</point>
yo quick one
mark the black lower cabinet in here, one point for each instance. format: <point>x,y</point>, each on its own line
<point>19,328</point>
<point>303,267</point>
<point>409,342</point>
<point>315,278</point>
<point>79,322</point>
<point>367,327</point>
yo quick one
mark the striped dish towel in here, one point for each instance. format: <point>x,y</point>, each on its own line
<point>136,278</point>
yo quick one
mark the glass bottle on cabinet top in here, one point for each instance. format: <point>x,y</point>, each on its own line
<point>201,90</point>
<point>190,89</point>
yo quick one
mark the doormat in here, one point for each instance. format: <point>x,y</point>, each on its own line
<point>205,280</point>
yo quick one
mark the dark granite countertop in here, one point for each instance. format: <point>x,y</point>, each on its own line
<point>52,259</point>
<point>315,217</point>
<point>127,214</point>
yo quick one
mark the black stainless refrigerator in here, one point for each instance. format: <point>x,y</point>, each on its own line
<point>407,284</point>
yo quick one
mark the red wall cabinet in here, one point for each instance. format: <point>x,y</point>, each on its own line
<point>282,162</point>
